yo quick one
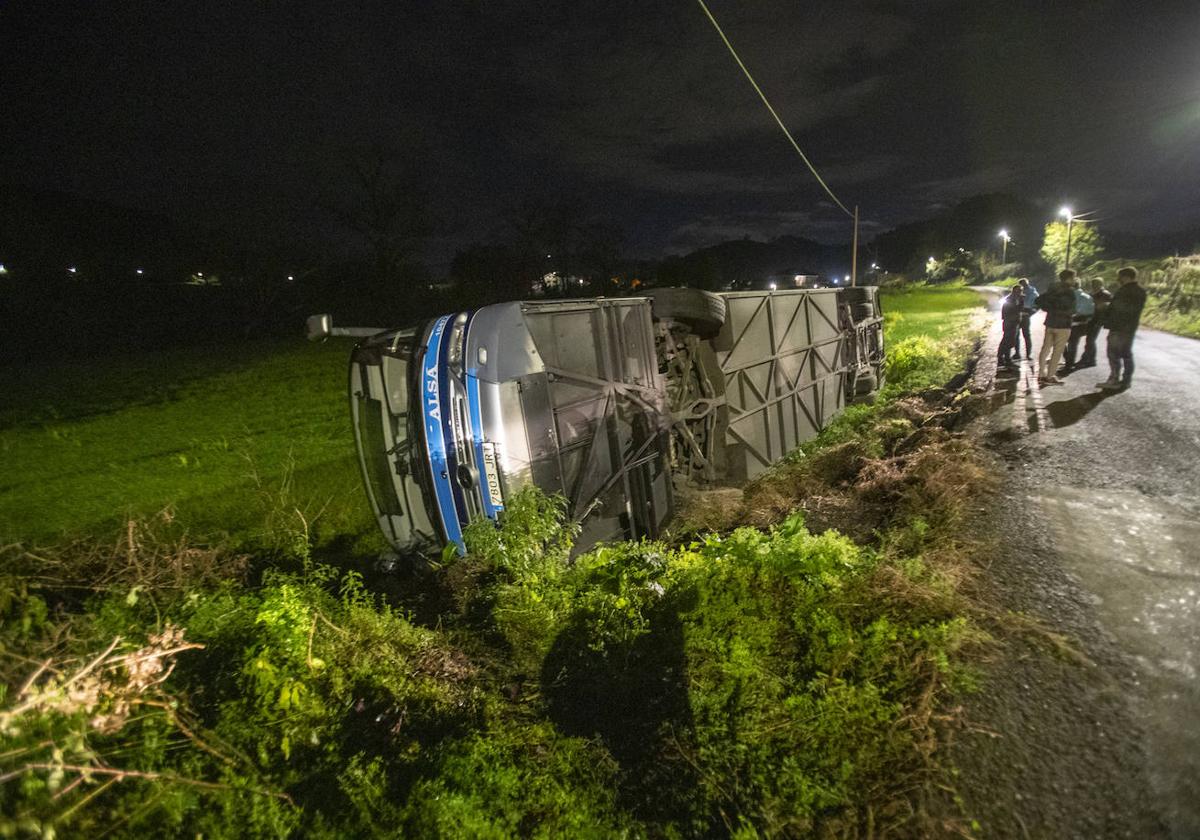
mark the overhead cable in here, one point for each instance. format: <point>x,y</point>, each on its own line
<point>763,97</point>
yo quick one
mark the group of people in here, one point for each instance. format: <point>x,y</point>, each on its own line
<point>1073,315</point>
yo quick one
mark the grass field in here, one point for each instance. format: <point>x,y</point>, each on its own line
<point>931,311</point>
<point>224,435</point>
<point>219,435</point>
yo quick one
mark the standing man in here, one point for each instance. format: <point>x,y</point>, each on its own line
<point>1085,308</point>
<point>1122,321</point>
<point>1101,297</point>
<point>1010,324</point>
<point>1029,295</point>
<point>1059,305</point>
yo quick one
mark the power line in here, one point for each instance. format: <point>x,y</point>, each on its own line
<point>763,97</point>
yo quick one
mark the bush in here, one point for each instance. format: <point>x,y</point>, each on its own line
<point>919,362</point>
<point>760,682</point>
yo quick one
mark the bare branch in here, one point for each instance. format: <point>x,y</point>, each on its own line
<point>125,775</point>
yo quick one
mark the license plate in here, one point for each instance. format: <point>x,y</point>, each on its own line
<point>491,475</point>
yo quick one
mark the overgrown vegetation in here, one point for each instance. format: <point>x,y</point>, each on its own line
<point>1173,286</point>
<point>753,680</point>
<point>1174,300</point>
<point>762,676</point>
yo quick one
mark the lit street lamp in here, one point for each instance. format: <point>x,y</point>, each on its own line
<point>1004,239</point>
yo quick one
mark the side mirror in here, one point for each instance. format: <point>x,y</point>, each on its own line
<point>319,327</point>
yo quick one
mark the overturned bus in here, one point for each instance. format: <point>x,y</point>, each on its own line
<point>614,403</point>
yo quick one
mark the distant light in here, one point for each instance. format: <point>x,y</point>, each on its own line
<point>291,277</point>
<point>547,256</point>
<point>874,266</point>
<point>1065,212</point>
<point>798,278</point>
<point>931,260</point>
<point>1003,234</point>
<point>138,271</point>
<point>3,270</point>
<point>200,274</point>
<point>73,270</point>
<point>846,279</point>
<point>772,287</point>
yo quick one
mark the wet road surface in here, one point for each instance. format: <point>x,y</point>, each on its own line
<point>1101,506</point>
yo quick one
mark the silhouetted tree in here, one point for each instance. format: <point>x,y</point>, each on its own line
<point>387,209</point>
<point>488,273</point>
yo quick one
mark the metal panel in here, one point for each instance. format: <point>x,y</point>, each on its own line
<point>782,356</point>
<point>608,413</point>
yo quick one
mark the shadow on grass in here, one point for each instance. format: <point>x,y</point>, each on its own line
<point>634,699</point>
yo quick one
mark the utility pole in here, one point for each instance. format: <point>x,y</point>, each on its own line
<point>1070,217</point>
<point>854,251</point>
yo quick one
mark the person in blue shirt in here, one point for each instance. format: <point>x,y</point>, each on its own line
<point>1029,294</point>
<point>1085,308</point>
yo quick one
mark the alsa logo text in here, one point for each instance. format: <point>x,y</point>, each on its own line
<point>433,407</point>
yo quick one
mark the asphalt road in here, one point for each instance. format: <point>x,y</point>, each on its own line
<point>1098,519</point>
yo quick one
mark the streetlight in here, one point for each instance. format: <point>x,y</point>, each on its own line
<point>1005,239</point>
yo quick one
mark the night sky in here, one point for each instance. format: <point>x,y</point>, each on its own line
<point>243,114</point>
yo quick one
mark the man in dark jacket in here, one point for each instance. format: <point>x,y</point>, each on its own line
<point>1102,297</point>
<point>1059,305</point>
<point>1010,323</point>
<point>1122,321</point>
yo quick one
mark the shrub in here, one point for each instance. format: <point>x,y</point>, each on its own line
<point>919,362</point>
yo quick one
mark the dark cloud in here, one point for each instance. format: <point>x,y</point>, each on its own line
<point>632,110</point>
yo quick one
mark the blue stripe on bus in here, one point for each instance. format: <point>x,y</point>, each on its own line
<point>446,396</point>
<point>477,434</point>
<point>435,442</point>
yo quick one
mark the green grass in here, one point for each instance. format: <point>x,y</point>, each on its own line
<point>1164,311</point>
<point>1160,317</point>
<point>937,312</point>
<point>929,332</point>
<point>220,435</point>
